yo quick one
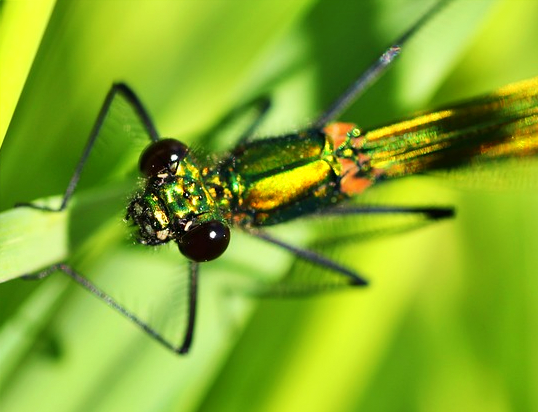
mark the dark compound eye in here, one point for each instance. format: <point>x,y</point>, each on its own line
<point>162,155</point>
<point>205,242</point>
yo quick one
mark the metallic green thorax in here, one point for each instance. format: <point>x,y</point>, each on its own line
<point>268,181</point>
<point>171,203</point>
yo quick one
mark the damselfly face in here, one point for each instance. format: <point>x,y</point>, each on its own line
<point>175,204</point>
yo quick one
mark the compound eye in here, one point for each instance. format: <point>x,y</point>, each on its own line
<point>205,242</point>
<point>162,155</point>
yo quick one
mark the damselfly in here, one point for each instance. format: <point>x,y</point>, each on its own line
<point>193,201</point>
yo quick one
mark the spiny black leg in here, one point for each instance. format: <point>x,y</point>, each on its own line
<point>193,293</point>
<point>312,257</point>
<point>90,287</point>
<point>367,78</point>
<point>132,98</point>
<point>430,212</point>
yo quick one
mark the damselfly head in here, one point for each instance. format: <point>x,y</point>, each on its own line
<point>175,204</point>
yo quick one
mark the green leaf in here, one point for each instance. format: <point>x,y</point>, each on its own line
<point>31,240</point>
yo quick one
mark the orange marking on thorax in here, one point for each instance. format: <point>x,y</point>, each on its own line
<point>350,183</point>
<point>338,132</point>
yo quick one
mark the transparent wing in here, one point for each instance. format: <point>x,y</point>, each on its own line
<point>110,174</point>
<point>328,234</point>
<point>121,139</point>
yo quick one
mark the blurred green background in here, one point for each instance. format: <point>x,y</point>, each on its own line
<point>451,318</point>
